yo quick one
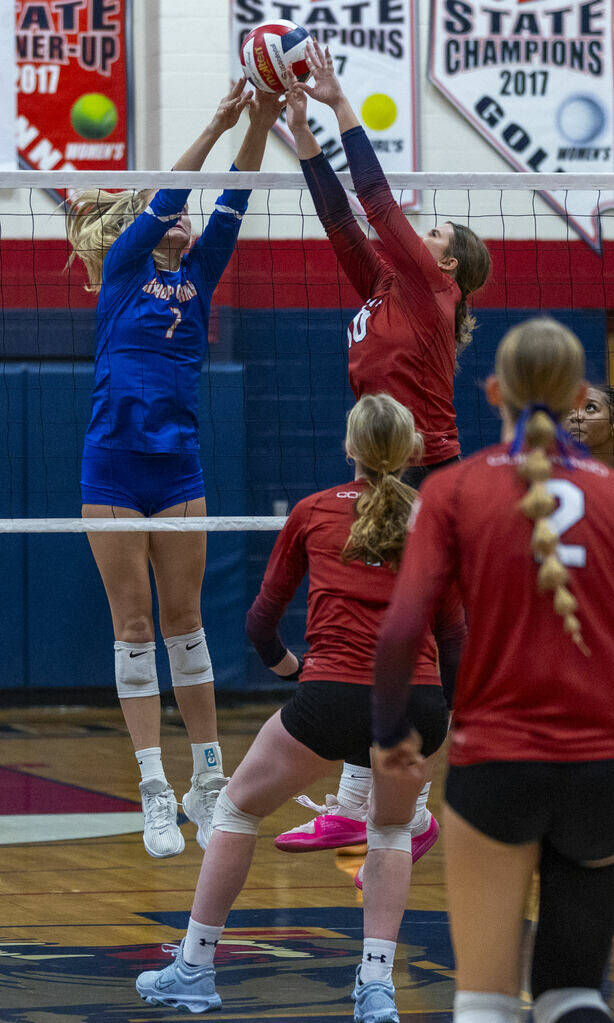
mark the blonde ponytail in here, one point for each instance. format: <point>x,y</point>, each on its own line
<point>379,530</point>
<point>382,438</point>
<point>537,504</point>
<point>540,366</point>
<point>94,220</point>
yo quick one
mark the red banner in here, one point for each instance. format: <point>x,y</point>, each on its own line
<point>73,104</point>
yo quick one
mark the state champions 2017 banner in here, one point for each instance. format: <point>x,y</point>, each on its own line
<point>73,75</point>
<point>373,44</point>
<point>535,78</point>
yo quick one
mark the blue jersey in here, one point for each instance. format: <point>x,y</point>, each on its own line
<point>152,328</point>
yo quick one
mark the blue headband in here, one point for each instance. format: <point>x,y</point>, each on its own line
<point>565,443</point>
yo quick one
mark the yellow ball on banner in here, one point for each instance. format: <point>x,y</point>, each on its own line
<point>93,116</point>
<point>379,111</point>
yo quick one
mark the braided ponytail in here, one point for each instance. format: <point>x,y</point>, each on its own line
<point>540,360</point>
<point>537,504</point>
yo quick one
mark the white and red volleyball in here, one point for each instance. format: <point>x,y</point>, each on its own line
<point>269,50</point>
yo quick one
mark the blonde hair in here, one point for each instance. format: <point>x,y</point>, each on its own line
<point>541,363</point>
<point>381,437</point>
<point>94,220</point>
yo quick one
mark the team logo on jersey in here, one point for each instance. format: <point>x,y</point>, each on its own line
<point>182,293</point>
<point>348,493</point>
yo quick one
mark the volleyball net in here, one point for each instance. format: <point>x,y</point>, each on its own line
<point>274,389</point>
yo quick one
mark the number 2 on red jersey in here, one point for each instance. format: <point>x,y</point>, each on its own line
<point>569,511</point>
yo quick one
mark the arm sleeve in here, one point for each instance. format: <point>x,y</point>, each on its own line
<point>449,629</point>
<point>285,570</point>
<point>215,246</point>
<point>361,263</point>
<point>134,246</point>
<point>422,581</point>
<point>404,248</point>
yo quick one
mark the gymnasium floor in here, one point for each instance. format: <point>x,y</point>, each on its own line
<point>82,915</point>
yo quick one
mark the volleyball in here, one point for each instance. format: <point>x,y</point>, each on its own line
<point>269,50</point>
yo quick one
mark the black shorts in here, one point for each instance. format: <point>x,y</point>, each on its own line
<point>333,719</point>
<point>569,804</point>
<point>415,475</point>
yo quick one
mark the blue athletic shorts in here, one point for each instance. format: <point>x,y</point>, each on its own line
<point>149,483</point>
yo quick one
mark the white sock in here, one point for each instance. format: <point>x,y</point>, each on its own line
<point>377,960</point>
<point>557,1002</point>
<point>354,786</point>
<point>207,758</point>
<point>200,943</point>
<point>486,1007</point>
<point>150,763</point>
<point>421,820</point>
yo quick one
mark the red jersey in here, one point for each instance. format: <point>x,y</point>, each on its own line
<point>346,602</point>
<point>524,690</point>
<point>403,339</point>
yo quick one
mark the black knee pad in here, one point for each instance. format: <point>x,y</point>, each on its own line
<point>575,927</point>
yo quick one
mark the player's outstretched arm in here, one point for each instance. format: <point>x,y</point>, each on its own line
<point>136,243</point>
<point>361,263</point>
<point>264,109</point>
<point>225,117</point>
<point>215,246</point>
<point>406,250</point>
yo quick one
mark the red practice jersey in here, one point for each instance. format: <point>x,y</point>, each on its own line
<point>346,602</point>
<point>524,690</point>
<point>402,341</point>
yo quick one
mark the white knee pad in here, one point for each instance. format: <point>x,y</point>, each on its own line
<point>393,836</point>
<point>550,1006</point>
<point>228,817</point>
<point>135,669</point>
<point>189,659</point>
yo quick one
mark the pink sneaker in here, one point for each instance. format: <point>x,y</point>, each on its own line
<point>329,830</point>
<point>419,845</point>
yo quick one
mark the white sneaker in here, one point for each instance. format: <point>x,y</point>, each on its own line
<point>199,804</point>
<point>161,834</point>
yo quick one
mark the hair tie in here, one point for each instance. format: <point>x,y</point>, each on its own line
<point>565,443</point>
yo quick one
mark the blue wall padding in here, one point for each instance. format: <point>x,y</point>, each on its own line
<point>273,419</point>
<point>56,626</point>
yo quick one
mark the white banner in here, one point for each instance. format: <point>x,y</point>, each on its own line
<point>373,43</point>
<point>8,97</point>
<point>535,78</point>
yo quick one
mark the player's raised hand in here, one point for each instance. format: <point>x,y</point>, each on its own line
<point>265,108</point>
<point>296,104</point>
<point>326,88</point>
<point>232,106</point>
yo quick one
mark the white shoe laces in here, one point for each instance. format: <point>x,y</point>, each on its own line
<point>159,810</point>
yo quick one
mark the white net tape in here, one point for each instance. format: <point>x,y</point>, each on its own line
<point>193,524</point>
<point>447,180</point>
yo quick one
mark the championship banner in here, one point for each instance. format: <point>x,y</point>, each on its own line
<point>73,96</point>
<point>535,78</point>
<point>373,44</point>
<point>8,155</point>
